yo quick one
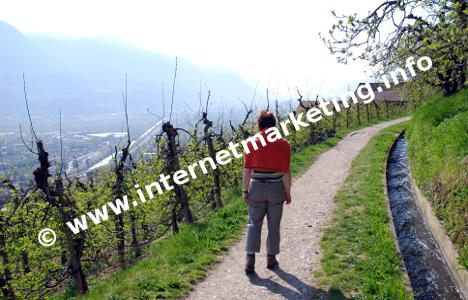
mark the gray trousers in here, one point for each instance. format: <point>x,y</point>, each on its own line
<point>266,198</point>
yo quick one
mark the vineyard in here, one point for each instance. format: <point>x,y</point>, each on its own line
<point>52,198</point>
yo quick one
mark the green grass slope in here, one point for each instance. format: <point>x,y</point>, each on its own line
<point>438,152</point>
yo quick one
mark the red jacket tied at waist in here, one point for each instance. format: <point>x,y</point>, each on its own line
<point>274,156</point>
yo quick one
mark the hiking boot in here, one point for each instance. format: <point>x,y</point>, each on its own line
<point>250,264</point>
<point>272,263</point>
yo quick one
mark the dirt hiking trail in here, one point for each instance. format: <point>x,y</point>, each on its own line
<point>301,230</point>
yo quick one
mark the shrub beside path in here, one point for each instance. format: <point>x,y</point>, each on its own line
<point>302,225</point>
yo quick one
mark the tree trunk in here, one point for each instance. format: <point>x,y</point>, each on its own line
<point>76,251</point>
<point>367,113</point>
<point>335,118</point>
<point>25,262</point>
<point>172,165</point>
<point>377,111</point>
<point>347,117</point>
<point>120,236</point>
<point>119,193</point>
<point>211,150</point>
<point>175,227</point>
<point>277,111</point>
<point>135,245</point>
<point>68,209</point>
<point>358,114</point>
<point>5,278</point>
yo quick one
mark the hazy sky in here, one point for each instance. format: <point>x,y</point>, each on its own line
<point>275,42</point>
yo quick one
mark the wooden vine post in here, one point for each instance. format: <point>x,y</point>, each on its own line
<point>172,165</point>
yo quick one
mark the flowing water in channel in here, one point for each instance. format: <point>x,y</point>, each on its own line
<point>427,270</point>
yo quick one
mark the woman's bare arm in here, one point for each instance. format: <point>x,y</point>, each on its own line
<point>246,183</point>
<point>287,186</point>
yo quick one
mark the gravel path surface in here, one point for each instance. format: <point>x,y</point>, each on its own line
<point>301,230</point>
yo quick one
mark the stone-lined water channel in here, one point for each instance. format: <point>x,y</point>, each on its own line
<point>424,262</point>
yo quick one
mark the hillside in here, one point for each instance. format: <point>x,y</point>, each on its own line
<point>438,139</point>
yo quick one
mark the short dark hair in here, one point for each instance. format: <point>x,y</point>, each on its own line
<point>266,119</point>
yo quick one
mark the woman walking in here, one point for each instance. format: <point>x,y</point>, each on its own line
<point>267,186</point>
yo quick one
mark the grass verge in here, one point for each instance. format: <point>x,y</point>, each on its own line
<point>438,152</point>
<point>360,257</point>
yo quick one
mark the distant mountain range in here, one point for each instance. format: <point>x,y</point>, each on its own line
<point>86,76</point>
